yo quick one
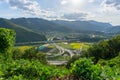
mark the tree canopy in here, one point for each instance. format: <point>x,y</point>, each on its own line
<point>105,49</point>
<point>7,40</point>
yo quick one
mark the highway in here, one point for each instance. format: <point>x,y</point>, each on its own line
<point>61,52</point>
<point>43,42</point>
<point>57,63</point>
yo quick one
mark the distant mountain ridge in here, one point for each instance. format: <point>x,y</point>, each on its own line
<point>42,25</point>
<point>39,25</point>
<point>22,34</point>
<point>85,25</point>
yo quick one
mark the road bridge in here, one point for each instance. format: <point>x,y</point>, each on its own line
<point>57,63</point>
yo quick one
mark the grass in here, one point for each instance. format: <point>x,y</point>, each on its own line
<point>75,45</point>
<point>23,48</point>
<point>64,45</point>
<point>86,47</point>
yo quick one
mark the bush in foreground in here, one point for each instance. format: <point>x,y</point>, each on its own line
<point>29,54</point>
<point>105,49</point>
<point>7,40</point>
<point>29,70</point>
<point>85,69</point>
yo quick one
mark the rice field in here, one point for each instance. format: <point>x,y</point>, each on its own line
<point>75,45</point>
<point>23,48</point>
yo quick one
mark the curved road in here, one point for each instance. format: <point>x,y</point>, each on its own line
<point>57,62</point>
<point>61,52</point>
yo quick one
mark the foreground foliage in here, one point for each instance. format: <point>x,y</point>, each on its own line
<point>31,65</point>
<point>105,49</point>
<point>85,69</point>
<point>7,39</point>
<point>29,70</point>
<point>30,53</point>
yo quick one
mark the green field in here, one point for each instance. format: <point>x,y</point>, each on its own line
<point>75,45</point>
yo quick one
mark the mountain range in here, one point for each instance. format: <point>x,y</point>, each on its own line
<point>90,26</point>
<point>32,29</point>
<point>39,25</point>
<point>84,25</point>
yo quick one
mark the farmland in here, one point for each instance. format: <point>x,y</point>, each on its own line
<point>52,50</point>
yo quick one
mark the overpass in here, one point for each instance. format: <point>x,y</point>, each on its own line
<point>57,63</point>
<point>62,51</point>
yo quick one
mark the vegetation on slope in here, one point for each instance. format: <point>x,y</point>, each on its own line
<point>22,34</point>
<point>40,25</point>
<point>105,49</point>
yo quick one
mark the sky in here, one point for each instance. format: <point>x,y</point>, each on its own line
<point>98,10</point>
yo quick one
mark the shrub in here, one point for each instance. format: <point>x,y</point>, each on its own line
<point>17,53</point>
<point>105,49</point>
<point>30,54</point>
<point>112,62</point>
<point>72,60</point>
<point>7,40</point>
<point>85,69</point>
<point>41,57</point>
<point>29,70</point>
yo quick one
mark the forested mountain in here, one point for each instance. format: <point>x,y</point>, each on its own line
<point>22,34</point>
<point>84,25</point>
<point>40,25</point>
<point>115,29</point>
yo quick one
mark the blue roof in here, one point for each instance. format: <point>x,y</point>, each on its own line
<point>41,47</point>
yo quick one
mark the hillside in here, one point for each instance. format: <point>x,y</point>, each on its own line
<point>84,25</point>
<point>22,34</point>
<point>40,25</point>
<point>115,29</point>
<point>62,26</point>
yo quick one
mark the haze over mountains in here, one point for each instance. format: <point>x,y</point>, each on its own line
<point>30,29</point>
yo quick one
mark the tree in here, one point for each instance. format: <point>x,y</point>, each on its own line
<point>34,54</point>
<point>72,60</point>
<point>84,69</point>
<point>105,49</point>
<point>7,40</point>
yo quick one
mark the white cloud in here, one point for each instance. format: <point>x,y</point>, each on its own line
<point>63,2</point>
<point>74,3</point>
<point>100,10</point>
<point>31,7</point>
<point>91,1</point>
<point>75,16</point>
<point>110,5</point>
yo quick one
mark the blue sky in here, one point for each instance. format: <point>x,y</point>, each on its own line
<point>98,10</point>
